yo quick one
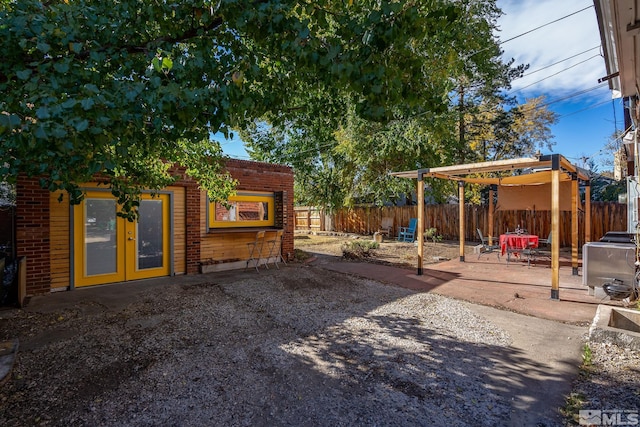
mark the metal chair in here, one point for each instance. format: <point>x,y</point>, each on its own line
<point>547,250</point>
<point>546,241</point>
<point>531,253</point>
<point>486,247</point>
<point>275,248</point>
<point>408,234</point>
<point>524,250</point>
<point>255,250</point>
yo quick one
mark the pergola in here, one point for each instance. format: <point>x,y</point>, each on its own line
<point>551,169</point>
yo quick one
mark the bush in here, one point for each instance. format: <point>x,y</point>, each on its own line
<point>359,249</point>
<point>300,255</point>
<point>432,234</point>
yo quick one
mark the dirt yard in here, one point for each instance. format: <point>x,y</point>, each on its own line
<point>390,252</point>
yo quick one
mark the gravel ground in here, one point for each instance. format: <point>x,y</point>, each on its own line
<point>298,346</point>
<point>302,346</point>
<point>609,381</point>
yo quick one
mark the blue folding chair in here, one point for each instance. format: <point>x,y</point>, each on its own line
<point>408,234</point>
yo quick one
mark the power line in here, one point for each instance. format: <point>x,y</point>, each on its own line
<point>556,63</point>
<point>544,25</point>
<point>600,151</point>
<point>529,31</point>
<point>564,98</point>
<point>554,74</point>
<point>574,94</point>
<point>584,109</point>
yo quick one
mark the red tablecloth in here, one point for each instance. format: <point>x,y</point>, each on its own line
<point>517,241</point>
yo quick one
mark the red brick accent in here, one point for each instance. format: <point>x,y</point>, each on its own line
<point>32,233</point>
<point>193,228</point>
<point>256,176</point>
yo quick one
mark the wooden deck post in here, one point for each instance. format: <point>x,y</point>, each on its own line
<point>462,219</point>
<point>492,188</point>
<point>555,227</point>
<point>587,212</point>
<point>420,227</point>
<point>575,205</point>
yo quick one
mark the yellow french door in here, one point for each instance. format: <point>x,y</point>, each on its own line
<point>110,249</point>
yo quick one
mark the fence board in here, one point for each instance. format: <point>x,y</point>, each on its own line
<point>605,216</point>
<point>308,218</point>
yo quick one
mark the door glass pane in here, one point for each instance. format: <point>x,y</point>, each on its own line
<point>150,234</point>
<point>100,236</point>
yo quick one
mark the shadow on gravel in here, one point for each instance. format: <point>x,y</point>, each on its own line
<point>436,378</point>
<point>295,346</point>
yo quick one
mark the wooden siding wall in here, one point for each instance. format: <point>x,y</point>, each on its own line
<point>60,255</point>
<point>230,246</point>
<point>179,230</point>
<point>225,245</point>
<point>605,216</point>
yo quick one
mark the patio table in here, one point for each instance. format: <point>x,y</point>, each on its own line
<point>515,243</point>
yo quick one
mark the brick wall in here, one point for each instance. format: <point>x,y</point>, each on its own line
<point>193,229</point>
<point>32,233</point>
<point>256,176</point>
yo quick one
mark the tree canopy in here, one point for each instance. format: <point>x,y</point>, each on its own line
<point>125,89</point>
<point>342,157</point>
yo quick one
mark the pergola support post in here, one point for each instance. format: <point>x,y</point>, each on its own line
<point>555,227</point>
<point>587,211</point>
<point>420,228</point>
<point>575,205</point>
<point>492,189</point>
<point>462,218</point>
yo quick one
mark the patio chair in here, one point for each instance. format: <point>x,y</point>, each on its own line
<point>255,250</point>
<point>546,251</point>
<point>386,227</point>
<point>530,253</point>
<point>408,234</point>
<point>546,241</point>
<point>486,247</point>
<point>274,245</point>
<point>524,249</point>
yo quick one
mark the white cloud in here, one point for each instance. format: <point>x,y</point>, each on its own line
<point>552,43</point>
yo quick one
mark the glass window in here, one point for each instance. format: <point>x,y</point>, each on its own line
<point>243,210</point>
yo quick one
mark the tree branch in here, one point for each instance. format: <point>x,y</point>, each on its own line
<point>188,34</point>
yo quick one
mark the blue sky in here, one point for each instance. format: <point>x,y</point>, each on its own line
<point>586,121</point>
<point>573,44</point>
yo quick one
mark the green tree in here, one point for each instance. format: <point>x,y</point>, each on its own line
<point>363,151</point>
<point>126,88</point>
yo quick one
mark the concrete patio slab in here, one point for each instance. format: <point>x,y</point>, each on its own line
<point>515,286</point>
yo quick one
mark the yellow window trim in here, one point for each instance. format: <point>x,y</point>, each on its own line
<point>268,198</point>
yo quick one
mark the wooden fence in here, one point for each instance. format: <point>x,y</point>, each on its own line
<point>605,216</point>
<point>309,218</point>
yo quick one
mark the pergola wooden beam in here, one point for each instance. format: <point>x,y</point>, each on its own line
<point>555,162</point>
<point>449,171</point>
